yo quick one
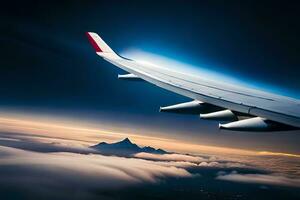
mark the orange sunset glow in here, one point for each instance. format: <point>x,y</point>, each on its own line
<point>83,134</point>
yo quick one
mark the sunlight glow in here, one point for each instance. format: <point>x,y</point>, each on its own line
<point>202,71</point>
<point>78,134</point>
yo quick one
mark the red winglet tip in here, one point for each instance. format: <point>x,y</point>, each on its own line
<point>93,42</point>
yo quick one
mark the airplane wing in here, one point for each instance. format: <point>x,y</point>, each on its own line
<point>240,108</point>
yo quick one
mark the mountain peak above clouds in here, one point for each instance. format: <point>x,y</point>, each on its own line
<point>124,148</point>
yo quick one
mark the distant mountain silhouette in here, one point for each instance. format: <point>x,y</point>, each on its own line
<point>124,148</point>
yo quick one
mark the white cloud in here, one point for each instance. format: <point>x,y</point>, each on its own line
<point>182,160</point>
<point>170,157</point>
<point>223,164</point>
<point>268,179</point>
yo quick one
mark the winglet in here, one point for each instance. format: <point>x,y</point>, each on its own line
<point>99,45</point>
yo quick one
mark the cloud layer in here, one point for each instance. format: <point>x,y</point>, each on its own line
<point>95,169</point>
<point>54,168</point>
<point>56,175</point>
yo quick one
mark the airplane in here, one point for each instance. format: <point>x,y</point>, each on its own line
<point>237,108</point>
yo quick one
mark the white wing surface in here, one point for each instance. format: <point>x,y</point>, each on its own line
<point>245,109</point>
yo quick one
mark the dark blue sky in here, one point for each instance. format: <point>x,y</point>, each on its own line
<point>47,64</point>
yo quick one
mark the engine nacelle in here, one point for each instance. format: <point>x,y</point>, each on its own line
<point>223,115</point>
<point>255,124</point>
<point>192,107</point>
<point>130,77</point>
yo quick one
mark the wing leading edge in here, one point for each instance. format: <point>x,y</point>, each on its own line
<point>246,109</point>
